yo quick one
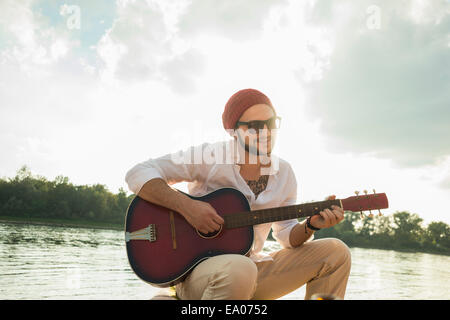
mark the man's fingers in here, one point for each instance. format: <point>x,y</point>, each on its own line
<point>340,216</point>
<point>217,225</point>
<point>339,212</point>
<point>214,227</point>
<point>206,229</point>
<point>215,216</point>
<point>209,227</point>
<point>332,217</point>
<point>218,219</point>
<point>327,216</point>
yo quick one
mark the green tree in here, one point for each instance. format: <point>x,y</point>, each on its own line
<point>23,173</point>
<point>407,230</point>
<point>438,235</point>
<point>26,195</point>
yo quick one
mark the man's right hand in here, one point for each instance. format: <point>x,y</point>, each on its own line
<point>202,216</point>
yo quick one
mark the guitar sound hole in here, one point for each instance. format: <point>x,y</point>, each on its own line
<point>209,235</point>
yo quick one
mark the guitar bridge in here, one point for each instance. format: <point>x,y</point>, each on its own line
<point>148,233</point>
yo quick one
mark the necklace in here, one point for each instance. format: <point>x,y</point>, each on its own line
<point>258,186</point>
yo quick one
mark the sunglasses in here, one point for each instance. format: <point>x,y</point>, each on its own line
<point>271,123</point>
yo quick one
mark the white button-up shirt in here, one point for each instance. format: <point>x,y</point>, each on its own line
<point>208,167</point>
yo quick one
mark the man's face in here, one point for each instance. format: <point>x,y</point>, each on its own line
<point>257,141</point>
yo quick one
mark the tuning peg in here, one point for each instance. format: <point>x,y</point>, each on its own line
<point>379,213</point>
<point>361,213</point>
<point>370,214</point>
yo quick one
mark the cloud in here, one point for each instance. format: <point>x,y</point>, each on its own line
<point>238,20</point>
<point>158,40</point>
<point>385,91</point>
<point>28,41</point>
<point>45,89</point>
<point>40,71</point>
<point>181,70</point>
<point>142,45</point>
<point>445,183</point>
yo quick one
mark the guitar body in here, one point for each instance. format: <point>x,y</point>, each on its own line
<point>162,247</point>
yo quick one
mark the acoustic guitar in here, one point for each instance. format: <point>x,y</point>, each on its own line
<point>162,247</point>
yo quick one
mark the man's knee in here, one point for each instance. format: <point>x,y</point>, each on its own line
<point>340,253</point>
<point>239,276</point>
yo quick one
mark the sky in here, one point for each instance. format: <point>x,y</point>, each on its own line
<point>90,88</point>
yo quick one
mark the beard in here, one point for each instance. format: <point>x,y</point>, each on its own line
<point>254,147</point>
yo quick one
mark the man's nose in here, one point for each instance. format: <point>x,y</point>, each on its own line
<point>265,132</point>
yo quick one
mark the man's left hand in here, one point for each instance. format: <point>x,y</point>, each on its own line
<point>328,218</point>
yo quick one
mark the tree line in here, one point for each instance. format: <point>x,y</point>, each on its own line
<point>400,231</point>
<point>30,196</point>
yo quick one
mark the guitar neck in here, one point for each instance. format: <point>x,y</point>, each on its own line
<point>249,218</point>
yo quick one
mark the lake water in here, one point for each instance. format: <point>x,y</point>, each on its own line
<point>44,262</point>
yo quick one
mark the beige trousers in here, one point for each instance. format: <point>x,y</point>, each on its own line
<point>323,265</point>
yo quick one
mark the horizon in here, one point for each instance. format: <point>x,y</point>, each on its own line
<point>88,90</point>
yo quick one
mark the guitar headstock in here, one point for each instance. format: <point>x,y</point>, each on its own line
<point>366,202</point>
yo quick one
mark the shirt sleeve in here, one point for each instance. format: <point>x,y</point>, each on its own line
<point>281,230</point>
<point>187,165</point>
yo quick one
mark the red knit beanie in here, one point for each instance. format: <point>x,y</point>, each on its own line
<point>239,102</point>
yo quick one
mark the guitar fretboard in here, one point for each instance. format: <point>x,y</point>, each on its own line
<point>249,218</point>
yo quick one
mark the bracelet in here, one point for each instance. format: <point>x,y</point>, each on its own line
<point>310,226</point>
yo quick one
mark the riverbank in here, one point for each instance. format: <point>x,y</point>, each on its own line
<point>76,223</point>
<point>406,250</point>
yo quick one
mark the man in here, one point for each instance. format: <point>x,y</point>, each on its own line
<point>267,181</point>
